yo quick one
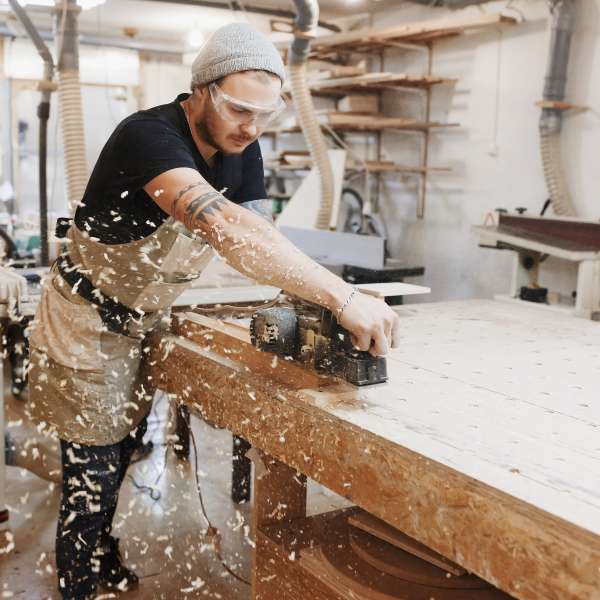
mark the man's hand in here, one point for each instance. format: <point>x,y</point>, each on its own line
<point>374,326</point>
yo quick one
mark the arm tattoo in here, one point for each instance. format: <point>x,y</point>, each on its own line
<point>201,206</point>
<point>183,192</point>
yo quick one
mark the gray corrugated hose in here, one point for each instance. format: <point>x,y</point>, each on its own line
<point>551,120</point>
<point>305,27</point>
<point>71,112</point>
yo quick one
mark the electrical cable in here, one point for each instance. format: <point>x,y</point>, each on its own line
<point>151,490</point>
<point>211,528</point>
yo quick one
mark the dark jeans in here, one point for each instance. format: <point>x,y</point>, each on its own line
<point>92,476</point>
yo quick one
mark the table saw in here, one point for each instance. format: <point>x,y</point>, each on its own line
<point>482,446</point>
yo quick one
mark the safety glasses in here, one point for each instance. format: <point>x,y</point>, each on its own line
<point>243,113</point>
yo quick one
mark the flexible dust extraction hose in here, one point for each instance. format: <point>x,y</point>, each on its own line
<point>551,120</point>
<point>304,29</point>
<point>71,113</point>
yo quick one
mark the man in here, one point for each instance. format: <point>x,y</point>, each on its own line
<point>165,191</point>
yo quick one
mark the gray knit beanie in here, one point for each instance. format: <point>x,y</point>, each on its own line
<point>233,48</point>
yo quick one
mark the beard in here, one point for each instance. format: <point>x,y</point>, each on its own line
<point>204,132</point>
<point>205,129</point>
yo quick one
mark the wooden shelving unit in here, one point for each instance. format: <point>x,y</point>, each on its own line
<point>345,79</point>
<point>373,123</point>
<point>425,32</point>
<point>375,82</point>
<point>372,166</point>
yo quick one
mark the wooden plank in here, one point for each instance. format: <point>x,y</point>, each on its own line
<point>411,32</point>
<point>348,122</point>
<point>558,105</point>
<point>392,289</point>
<point>488,491</point>
<point>339,71</point>
<point>383,531</point>
<point>315,553</point>
<point>377,81</point>
<point>416,495</point>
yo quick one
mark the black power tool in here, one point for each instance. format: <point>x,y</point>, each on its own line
<point>311,335</point>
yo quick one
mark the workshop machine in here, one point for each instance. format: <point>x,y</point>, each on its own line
<point>312,335</point>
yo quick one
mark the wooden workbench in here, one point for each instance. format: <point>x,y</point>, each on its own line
<point>484,445</point>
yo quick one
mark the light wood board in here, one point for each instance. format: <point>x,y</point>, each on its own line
<point>483,446</point>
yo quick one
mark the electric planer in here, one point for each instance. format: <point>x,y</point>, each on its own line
<point>311,335</point>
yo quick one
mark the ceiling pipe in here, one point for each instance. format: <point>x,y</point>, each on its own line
<point>106,41</point>
<point>563,27</point>
<point>449,3</point>
<point>238,6</point>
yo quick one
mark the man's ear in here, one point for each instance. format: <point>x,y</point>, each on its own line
<point>201,91</point>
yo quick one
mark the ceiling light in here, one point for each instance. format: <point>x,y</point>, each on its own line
<point>195,38</point>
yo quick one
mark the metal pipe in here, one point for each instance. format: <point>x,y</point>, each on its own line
<point>450,3</point>
<point>108,41</point>
<point>563,26</point>
<point>43,113</point>
<point>248,8</point>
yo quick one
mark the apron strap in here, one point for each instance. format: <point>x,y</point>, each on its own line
<point>114,315</point>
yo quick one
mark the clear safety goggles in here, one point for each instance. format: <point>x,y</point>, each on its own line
<point>241,112</point>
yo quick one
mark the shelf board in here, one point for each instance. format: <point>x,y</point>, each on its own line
<point>558,105</point>
<point>415,33</point>
<point>375,82</point>
<point>367,123</point>
<point>372,166</point>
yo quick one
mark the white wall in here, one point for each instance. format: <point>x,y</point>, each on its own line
<point>104,106</point>
<point>161,80</point>
<point>491,169</point>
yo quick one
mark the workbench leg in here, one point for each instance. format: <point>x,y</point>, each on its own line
<point>588,290</point>
<point>241,471</point>
<point>6,538</point>
<point>182,431</point>
<point>279,494</point>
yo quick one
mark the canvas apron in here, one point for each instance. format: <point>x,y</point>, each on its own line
<point>88,384</point>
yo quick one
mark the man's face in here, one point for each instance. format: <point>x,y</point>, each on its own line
<point>228,136</point>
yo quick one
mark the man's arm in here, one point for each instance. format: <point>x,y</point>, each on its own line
<point>257,249</point>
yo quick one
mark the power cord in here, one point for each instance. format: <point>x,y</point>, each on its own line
<point>151,490</point>
<point>212,530</point>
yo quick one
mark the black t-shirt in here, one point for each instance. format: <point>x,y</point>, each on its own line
<point>115,209</point>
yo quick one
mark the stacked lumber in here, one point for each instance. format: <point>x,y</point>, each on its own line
<point>422,32</point>
<point>301,160</point>
<point>340,121</point>
<point>374,81</point>
<point>356,122</point>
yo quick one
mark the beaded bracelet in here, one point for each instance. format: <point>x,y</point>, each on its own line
<point>340,310</point>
